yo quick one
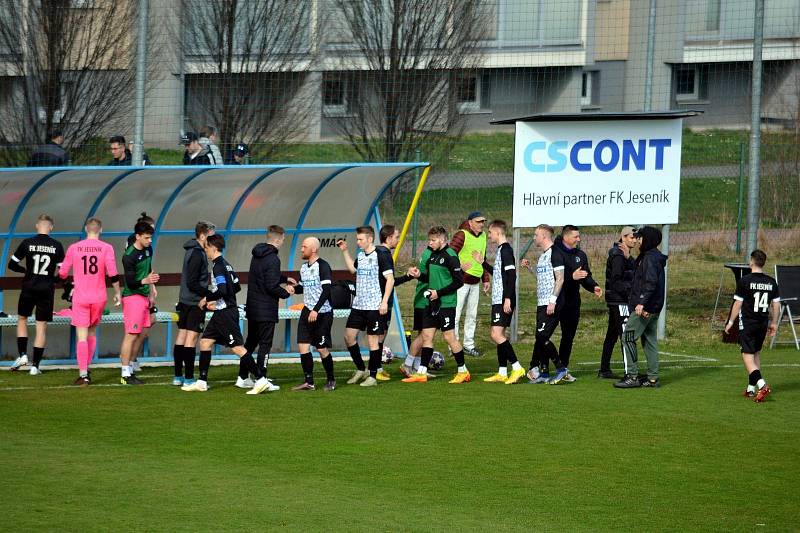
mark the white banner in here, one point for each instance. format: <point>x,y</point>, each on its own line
<point>597,172</point>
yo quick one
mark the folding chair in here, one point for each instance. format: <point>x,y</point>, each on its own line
<point>788,278</point>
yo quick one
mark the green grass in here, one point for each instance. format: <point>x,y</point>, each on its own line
<point>692,455</point>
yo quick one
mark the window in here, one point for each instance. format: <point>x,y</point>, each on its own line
<point>336,29</point>
<point>589,85</point>
<point>65,89</point>
<point>702,16</point>
<point>687,83</point>
<point>488,16</point>
<point>335,93</point>
<point>468,93</point>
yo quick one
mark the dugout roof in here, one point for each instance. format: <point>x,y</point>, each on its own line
<point>326,201</point>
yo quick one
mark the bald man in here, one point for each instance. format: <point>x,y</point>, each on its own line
<point>316,318</point>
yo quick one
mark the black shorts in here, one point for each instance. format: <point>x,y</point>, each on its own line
<point>224,329</point>
<point>386,320</point>
<point>317,333</point>
<point>751,337</point>
<point>444,320</point>
<point>500,317</point>
<point>419,318</point>
<point>363,320</point>
<point>546,324</point>
<point>191,317</point>
<point>42,300</point>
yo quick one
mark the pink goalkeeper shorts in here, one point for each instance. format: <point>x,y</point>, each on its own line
<point>136,313</point>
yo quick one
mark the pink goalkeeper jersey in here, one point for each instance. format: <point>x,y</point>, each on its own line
<point>91,260</point>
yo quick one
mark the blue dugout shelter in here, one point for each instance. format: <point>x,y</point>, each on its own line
<point>325,201</point>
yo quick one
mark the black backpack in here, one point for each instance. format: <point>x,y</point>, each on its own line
<point>342,293</point>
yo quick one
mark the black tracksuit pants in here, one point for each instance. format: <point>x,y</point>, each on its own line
<point>617,317</point>
<point>569,317</point>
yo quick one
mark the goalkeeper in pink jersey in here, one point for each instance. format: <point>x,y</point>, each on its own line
<point>90,260</point>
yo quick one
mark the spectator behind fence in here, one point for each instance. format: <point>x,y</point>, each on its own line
<point>208,139</point>
<point>51,153</point>
<point>239,155</point>
<point>120,155</point>
<point>195,154</point>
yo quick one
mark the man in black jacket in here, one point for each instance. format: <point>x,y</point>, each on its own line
<point>191,319</point>
<point>264,292</point>
<point>196,154</point>
<point>645,303</point>
<point>619,276</point>
<point>577,274</point>
<point>50,154</point>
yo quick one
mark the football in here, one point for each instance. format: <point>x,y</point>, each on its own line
<point>387,356</point>
<point>437,361</point>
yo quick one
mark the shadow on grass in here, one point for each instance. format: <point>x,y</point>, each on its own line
<point>678,373</point>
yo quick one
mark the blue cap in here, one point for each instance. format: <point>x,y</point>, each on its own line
<point>475,214</point>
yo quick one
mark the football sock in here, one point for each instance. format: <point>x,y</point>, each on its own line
<point>327,364</point>
<point>459,357</point>
<point>511,356</point>
<point>243,366</point>
<point>177,358</point>
<point>188,361</point>
<point>205,364</point>
<point>82,350</point>
<point>250,366</point>
<point>502,370</point>
<point>754,376</point>
<point>355,355</point>
<point>126,371</point>
<point>409,362</point>
<point>761,384</point>
<point>307,362</point>
<point>417,362</point>
<point>751,388</point>
<point>422,369</point>
<point>22,345</point>
<point>92,343</point>
<point>427,353</point>
<point>374,362</point>
<point>380,347</point>
<point>38,353</point>
<point>501,357</point>
<point>516,366</point>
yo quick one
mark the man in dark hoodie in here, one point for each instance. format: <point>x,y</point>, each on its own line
<point>264,293</point>
<point>191,319</point>
<point>645,303</point>
<point>196,153</point>
<point>50,154</point>
<point>577,274</point>
<point>619,276</point>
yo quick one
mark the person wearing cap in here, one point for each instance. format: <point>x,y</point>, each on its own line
<point>239,154</point>
<point>644,303</point>
<point>469,242</point>
<point>196,154</point>
<point>619,276</point>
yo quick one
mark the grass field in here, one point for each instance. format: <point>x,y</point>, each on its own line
<point>692,455</point>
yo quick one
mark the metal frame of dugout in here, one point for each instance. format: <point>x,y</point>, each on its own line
<point>325,200</point>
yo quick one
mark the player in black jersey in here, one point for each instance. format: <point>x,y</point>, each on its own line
<point>42,255</point>
<point>223,328</point>
<point>389,237</point>
<point>756,294</point>
<point>316,319</point>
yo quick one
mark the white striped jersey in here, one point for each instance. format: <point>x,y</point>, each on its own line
<point>313,277</point>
